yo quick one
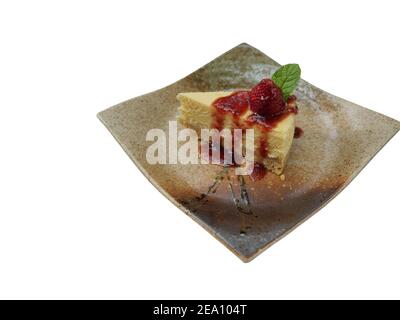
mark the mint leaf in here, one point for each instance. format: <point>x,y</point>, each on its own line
<point>286,78</point>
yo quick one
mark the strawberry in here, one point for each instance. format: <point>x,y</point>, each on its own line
<point>266,99</point>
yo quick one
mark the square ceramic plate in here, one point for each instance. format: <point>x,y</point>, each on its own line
<point>339,139</point>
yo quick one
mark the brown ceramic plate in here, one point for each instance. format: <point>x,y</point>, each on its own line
<point>339,139</point>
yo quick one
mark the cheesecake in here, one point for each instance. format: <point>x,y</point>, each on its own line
<point>266,108</point>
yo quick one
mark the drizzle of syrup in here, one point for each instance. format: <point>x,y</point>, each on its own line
<point>268,123</point>
<point>259,172</point>
<point>263,147</point>
<point>298,132</point>
<point>237,104</point>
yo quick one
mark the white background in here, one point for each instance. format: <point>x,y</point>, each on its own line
<point>78,219</point>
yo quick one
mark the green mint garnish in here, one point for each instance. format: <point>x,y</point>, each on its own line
<point>286,78</point>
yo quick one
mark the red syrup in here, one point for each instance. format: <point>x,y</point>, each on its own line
<point>298,132</point>
<point>237,104</point>
<point>268,123</point>
<point>259,172</point>
<point>263,148</point>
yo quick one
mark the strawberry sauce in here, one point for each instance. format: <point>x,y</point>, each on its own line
<point>298,132</point>
<point>259,172</point>
<point>237,104</point>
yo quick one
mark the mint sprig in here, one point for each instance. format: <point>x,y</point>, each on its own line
<point>287,78</point>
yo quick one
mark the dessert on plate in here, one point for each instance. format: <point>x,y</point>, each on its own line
<point>269,108</point>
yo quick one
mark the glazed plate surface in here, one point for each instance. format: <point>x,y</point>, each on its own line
<point>339,139</point>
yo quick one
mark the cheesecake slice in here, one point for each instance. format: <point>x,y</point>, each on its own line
<point>273,137</point>
<point>269,108</point>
